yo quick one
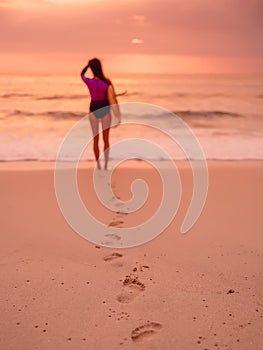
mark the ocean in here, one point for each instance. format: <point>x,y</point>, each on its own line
<point>224,112</point>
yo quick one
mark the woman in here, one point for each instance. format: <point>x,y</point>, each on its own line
<point>103,98</point>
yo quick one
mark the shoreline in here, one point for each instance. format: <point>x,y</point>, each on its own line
<point>47,164</point>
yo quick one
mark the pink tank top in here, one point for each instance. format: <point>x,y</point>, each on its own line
<point>97,88</point>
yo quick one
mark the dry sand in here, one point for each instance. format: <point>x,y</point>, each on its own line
<point>202,290</point>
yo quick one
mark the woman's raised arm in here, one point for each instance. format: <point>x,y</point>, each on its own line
<point>84,70</point>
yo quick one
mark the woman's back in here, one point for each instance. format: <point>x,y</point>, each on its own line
<point>98,88</point>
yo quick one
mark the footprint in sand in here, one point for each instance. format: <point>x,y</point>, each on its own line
<point>131,288</point>
<point>121,213</point>
<point>145,332</point>
<point>112,256</point>
<point>114,236</point>
<point>116,223</point>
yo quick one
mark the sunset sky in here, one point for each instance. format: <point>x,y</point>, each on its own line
<point>164,36</point>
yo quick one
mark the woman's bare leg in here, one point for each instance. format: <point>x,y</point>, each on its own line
<point>94,123</point>
<point>106,124</point>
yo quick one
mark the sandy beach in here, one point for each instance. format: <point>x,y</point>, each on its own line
<point>202,290</point>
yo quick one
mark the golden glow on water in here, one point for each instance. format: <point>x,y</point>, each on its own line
<point>224,111</point>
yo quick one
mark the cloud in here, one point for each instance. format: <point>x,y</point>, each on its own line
<point>137,41</point>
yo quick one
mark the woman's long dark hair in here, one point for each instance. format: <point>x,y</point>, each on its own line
<point>95,66</point>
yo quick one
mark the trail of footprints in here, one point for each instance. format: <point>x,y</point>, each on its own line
<point>132,287</point>
<point>117,220</point>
